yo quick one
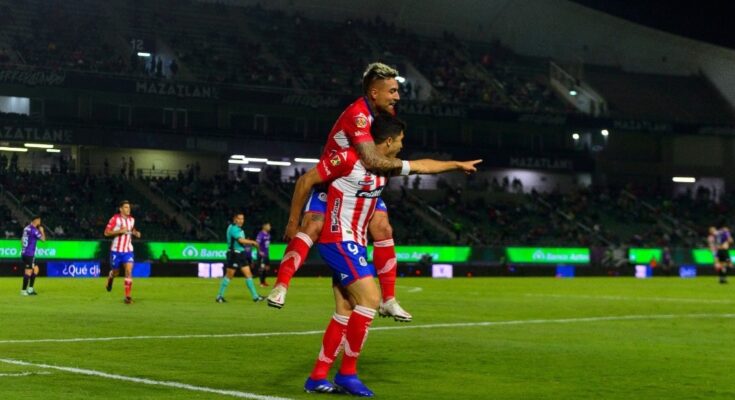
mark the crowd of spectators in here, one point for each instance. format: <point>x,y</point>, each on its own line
<point>79,206</point>
<point>213,201</point>
<point>65,35</point>
<point>252,45</point>
<point>504,214</point>
<point>493,214</point>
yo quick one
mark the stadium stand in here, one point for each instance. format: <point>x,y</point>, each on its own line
<point>219,43</point>
<point>82,204</point>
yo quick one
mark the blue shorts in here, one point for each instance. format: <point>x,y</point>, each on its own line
<point>117,258</point>
<point>317,203</point>
<point>348,261</point>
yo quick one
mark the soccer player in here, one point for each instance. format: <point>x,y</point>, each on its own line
<point>352,130</point>
<point>121,228</point>
<point>31,235</point>
<point>239,255</point>
<point>352,198</point>
<point>720,241</point>
<point>264,244</point>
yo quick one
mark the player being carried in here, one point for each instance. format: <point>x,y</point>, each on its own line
<point>352,198</point>
<point>352,130</point>
<point>122,229</point>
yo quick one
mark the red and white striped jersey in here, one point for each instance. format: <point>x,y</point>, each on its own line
<point>122,243</point>
<point>352,127</point>
<point>351,199</point>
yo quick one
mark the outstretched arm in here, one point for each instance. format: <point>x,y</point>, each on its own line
<point>375,161</point>
<point>428,166</point>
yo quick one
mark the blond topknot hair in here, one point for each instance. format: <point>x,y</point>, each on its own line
<point>376,71</point>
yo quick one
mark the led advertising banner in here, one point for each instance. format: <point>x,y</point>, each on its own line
<point>188,251</point>
<point>705,256</point>
<point>441,254</point>
<point>73,269</point>
<point>53,249</point>
<point>644,256</point>
<point>199,251</point>
<point>202,251</point>
<point>548,255</point>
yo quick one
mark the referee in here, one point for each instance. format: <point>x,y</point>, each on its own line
<point>239,256</point>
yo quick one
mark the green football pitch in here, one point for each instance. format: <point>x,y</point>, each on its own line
<point>471,338</point>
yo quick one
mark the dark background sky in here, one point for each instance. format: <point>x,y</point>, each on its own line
<point>708,21</point>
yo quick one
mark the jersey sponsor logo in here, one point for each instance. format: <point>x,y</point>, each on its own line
<point>370,194</point>
<point>360,133</point>
<point>334,216</point>
<point>361,121</point>
<point>366,181</point>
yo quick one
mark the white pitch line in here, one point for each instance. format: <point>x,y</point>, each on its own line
<point>177,385</point>
<point>24,374</point>
<point>629,298</point>
<point>145,337</point>
<point>411,289</point>
<point>381,328</point>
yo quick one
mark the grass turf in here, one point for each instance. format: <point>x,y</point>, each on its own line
<point>548,343</point>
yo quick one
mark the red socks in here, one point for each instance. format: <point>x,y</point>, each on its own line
<point>384,258</point>
<point>128,286</point>
<point>331,345</point>
<point>357,330</point>
<point>294,257</point>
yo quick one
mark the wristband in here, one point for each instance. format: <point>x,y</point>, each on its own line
<point>406,168</point>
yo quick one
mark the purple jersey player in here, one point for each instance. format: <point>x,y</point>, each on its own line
<point>264,244</point>
<point>722,241</point>
<point>31,235</point>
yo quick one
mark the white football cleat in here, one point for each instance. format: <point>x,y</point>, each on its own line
<point>277,297</point>
<point>391,308</point>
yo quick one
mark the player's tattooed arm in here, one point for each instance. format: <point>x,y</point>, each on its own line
<point>428,166</point>
<point>300,195</point>
<point>375,161</point>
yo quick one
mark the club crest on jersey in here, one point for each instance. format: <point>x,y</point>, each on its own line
<point>362,261</point>
<point>335,161</point>
<point>323,196</point>
<point>325,166</point>
<point>361,121</point>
